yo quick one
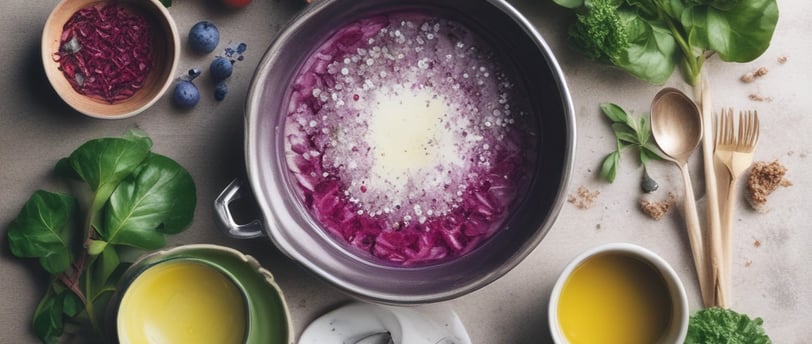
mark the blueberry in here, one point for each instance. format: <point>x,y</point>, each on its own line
<point>203,37</point>
<point>220,68</point>
<point>186,94</point>
<point>220,91</point>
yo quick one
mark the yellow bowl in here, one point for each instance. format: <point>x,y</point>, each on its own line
<point>165,56</point>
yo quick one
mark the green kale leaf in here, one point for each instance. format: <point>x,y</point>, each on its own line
<point>724,326</point>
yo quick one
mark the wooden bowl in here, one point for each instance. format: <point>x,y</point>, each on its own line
<point>165,56</point>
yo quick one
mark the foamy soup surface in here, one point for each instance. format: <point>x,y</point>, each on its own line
<point>409,137</point>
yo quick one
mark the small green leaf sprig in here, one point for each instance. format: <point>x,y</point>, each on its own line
<point>629,132</point>
<point>134,199</point>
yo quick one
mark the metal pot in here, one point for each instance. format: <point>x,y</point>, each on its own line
<point>287,222</point>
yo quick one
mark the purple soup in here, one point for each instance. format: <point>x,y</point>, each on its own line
<point>409,138</point>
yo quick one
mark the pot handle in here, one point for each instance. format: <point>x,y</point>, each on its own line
<point>232,192</point>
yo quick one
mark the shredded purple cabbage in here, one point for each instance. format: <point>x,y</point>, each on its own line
<point>485,202</point>
<point>106,52</point>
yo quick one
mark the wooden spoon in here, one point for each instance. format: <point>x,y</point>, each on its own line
<point>676,126</point>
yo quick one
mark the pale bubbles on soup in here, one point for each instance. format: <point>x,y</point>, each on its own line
<point>409,137</point>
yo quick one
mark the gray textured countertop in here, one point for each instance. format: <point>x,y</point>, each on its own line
<point>771,271</point>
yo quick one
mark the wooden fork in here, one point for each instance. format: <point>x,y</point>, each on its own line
<point>736,153</point>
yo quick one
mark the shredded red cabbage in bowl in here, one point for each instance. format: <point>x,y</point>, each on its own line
<point>106,52</point>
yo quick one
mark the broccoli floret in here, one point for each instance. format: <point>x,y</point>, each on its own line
<point>599,32</point>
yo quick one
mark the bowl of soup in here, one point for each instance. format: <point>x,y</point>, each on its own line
<point>406,151</point>
<point>618,293</point>
<point>199,294</point>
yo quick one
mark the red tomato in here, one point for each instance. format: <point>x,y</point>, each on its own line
<point>235,3</point>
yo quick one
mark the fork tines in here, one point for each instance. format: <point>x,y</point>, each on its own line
<point>748,130</point>
<point>725,129</point>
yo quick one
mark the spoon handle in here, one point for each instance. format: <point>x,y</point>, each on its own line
<point>695,237</point>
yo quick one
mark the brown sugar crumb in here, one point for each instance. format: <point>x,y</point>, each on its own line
<point>757,243</point>
<point>752,76</point>
<point>584,198</point>
<point>764,178</point>
<point>747,263</point>
<point>759,98</point>
<point>657,209</point>
<point>783,59</point>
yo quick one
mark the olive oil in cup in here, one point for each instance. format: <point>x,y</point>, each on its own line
<point>182,301</point>
<point>198,294</point>
<point>618,293</point>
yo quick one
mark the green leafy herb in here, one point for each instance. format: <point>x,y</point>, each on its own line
<point>649,38</point>
<point>166,3</point>
<point>724,326</point>
<point>149,203</point>
<point>42,230</point>
<point>629,132</point>
<point>136,197</point>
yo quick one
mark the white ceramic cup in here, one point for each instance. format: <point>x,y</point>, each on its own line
<point>679,312</point>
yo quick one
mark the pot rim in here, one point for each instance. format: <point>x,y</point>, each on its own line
<point>255,174</point>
